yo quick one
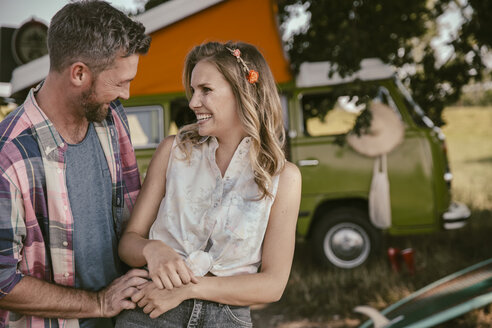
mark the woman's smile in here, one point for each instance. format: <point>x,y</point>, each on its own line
<point>201,118</point>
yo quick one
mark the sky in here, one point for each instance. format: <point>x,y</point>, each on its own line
<point>15,12</point>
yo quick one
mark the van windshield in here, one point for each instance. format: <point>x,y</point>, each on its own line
<point>341,109</point>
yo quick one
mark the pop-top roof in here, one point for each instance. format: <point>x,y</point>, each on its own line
<point>315,74</point>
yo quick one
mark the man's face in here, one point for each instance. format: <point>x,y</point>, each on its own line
<point>108,85</point>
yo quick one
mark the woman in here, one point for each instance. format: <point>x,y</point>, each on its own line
<point>219,199</point>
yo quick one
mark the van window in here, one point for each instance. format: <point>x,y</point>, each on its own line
<point>334,112</point>
<point>181,114</point>
<point>146,125</point>
<point>328,115</point>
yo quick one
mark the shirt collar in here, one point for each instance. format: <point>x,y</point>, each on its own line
<point>241,151</point>
<point>203,139</point>
<point>245,140</point>
<point>48,138</point>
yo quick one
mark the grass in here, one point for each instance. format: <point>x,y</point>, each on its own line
<point>470,152</point>
<point>317,297</point>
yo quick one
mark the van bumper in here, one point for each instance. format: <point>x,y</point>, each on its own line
<point>456,216</point>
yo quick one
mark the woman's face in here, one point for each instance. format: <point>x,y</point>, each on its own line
<point>214,103</point>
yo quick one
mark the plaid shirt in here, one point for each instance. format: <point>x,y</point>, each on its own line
<point>36,222</point>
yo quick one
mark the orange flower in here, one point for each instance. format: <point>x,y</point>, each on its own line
<point>253,76</point>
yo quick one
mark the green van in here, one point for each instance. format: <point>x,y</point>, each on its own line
<point>319,112</point>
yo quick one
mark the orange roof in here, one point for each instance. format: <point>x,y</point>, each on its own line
<point>252,21</point>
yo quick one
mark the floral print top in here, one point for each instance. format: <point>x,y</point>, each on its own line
<point>215,222</point>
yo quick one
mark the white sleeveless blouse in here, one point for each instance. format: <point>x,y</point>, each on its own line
<point>214,222</point>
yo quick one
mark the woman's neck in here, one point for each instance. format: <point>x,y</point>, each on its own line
<point>225,152</point>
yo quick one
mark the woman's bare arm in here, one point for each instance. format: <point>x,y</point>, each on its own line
<point>263,287</point>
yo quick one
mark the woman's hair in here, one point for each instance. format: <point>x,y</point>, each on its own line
<point>95,33</point>
<point>259,107</point>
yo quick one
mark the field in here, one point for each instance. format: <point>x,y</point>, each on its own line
<point>317,297</point>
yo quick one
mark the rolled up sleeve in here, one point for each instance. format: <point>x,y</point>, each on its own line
<point>9,277</point>
<point>12,231</point>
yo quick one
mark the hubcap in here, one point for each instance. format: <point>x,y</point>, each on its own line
<point>347,245</point>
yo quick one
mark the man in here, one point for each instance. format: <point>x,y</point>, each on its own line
<point>68,177</point>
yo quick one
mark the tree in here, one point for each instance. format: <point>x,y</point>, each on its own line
<point>399,33</point>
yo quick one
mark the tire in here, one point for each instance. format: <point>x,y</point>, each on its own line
<point>345,238</point>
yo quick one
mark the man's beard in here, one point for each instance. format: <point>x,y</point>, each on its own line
<point>93,111</point>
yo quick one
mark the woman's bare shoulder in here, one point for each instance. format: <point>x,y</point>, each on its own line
<point>164,148</point>
<point>290,173</point>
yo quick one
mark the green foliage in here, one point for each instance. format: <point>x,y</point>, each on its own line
<point>399,33</point>
<point>479,25</point>
<point>345,32</point>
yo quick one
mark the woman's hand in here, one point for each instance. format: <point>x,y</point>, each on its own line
<point>167,269</point>
<point>156,301</point>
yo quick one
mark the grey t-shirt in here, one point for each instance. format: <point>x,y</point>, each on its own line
<point>95,244</point>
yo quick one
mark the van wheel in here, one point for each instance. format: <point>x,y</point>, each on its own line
<point>345,238</point>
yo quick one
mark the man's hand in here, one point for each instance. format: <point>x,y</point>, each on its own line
<point>167,269</point>
<point>117,296</point>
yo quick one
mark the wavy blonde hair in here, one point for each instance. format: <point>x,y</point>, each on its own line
<point>259,108</point>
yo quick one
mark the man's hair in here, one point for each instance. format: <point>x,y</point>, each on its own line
<point>94,33</point>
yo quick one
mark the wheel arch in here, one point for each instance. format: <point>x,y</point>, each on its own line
<point>331,204</point>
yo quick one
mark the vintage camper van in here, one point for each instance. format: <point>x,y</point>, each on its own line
<point>319,112</point>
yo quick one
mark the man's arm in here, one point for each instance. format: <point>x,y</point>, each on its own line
<point>36,297</point>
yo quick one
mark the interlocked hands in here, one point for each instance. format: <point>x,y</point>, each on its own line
<point>118,295</point>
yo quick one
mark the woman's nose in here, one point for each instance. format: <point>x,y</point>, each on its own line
<point>194,101</point>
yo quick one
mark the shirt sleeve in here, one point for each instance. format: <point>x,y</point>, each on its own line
<point>130,177</point>
<point>12,226</point>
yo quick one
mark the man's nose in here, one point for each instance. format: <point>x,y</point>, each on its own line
<point>125,92</point>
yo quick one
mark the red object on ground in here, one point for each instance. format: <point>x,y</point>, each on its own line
<point>394,258</point>
<point>408,257</point>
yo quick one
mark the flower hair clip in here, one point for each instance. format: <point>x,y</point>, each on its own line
<point>252,75</point>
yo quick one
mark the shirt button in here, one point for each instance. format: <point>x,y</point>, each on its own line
<point>65,243</point>
<point>67,274</point>
<point>216,204</point>
<point>59,170</point>
<point>65,207</point>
